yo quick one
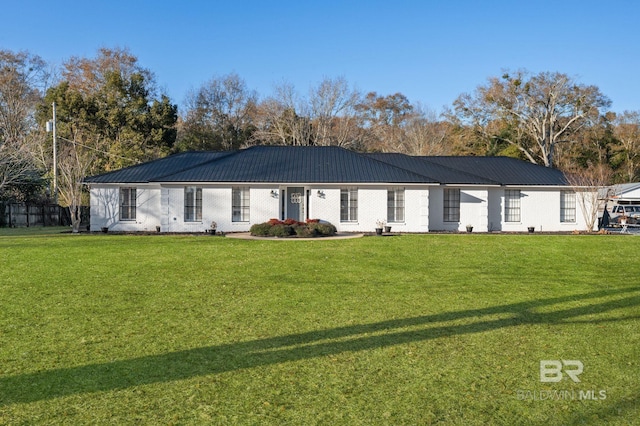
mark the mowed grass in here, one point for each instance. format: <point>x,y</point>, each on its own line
<point>412,329</point>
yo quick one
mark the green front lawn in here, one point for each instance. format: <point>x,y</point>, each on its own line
<point>414,329</point>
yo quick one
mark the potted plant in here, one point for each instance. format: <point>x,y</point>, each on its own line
<point>379,225</point>
<point>469,228</point>
<point>157,228</point>
<point>531,229</point>
<point>387,228</point>
<point>212,228</point>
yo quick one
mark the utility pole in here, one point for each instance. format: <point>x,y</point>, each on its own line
<point>55,157</point>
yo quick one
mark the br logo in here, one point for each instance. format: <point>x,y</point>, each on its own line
<point>551,370</point>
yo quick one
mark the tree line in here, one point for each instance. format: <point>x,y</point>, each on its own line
<point>111,114</point>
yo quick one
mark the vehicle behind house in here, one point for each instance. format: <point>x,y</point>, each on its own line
<point>623,211</point>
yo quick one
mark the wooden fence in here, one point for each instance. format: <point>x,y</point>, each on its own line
<point>25,215</point>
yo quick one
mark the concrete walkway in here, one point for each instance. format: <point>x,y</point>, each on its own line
<point>248,236</point>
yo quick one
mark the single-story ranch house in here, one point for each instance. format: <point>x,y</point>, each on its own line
<point>186,192</point>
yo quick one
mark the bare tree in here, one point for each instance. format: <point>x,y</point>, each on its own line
<point>333,113</point>
<point>23,78</point>
<point>269,128</point>
<point>588,184</point>
<point>536,112</point>
<point>283,119</point>
<point>425,134</point>
<point>74,164</point>
<point>328,116</point>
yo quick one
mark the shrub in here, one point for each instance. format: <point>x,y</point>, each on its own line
<point>323,228</point>
<point>260,229</point>
<point>305,231</point>
<point>290,227</point>
<point>281,230</point>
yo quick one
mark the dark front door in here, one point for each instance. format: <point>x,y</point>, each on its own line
<point>295,203</point>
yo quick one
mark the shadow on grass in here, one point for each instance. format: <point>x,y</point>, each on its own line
<point>234,356</point>
<point>610,410</point>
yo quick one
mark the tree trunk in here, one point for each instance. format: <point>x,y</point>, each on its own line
<point>74,212</point>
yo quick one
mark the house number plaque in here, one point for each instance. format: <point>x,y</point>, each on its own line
<point>296,198</point>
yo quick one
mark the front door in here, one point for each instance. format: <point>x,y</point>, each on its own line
<point>295,203</point>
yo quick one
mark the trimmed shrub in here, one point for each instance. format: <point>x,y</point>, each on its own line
<point>281,231</point>
<point>290,227</point>
<point>260,229</point>
<point>323,228</point>
<point>305,231</point>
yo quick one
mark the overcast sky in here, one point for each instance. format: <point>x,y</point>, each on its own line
<point>431,51</point>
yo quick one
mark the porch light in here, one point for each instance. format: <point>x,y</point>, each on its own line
<point>274,193</point>
<point>320,193</point>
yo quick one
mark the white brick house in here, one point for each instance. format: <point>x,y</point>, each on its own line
<point>186,192</point>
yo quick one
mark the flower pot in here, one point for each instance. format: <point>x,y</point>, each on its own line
<point>378,231</point>
<point>531,229</point>
<point>387,229</point>
<point>157,228</point>
<point>104,229</point>
<point>469,228</point>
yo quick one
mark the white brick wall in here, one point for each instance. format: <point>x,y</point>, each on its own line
<point>105,210</point>
<point>216,206</point>
<point>540,208</point>
<point>473,209</point>
<point>483,208</point>
<point>372,206</point>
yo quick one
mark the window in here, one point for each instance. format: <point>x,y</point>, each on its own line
<point>240,204</point>
<point>192,204</point>
<point>127,204</point>
<point>512,205</point>
<point>395,205</point>
<point>451,205</point>
<point>349,205</point>
<point>568,206</point>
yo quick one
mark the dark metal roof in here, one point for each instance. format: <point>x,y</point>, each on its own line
<point>154,170</point>
<point>437,172</point>
<point>290,164</point>
<point>309,164</point>
<point>504,170</point>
